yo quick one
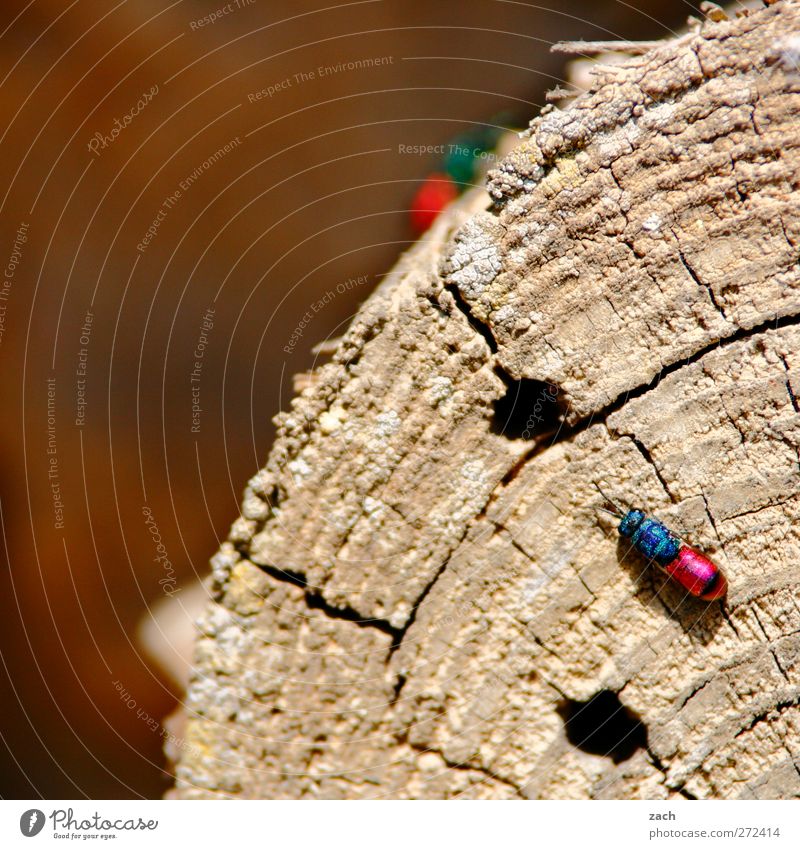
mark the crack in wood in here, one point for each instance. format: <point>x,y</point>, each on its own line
<point>480,327</point>
<point>693,274</point>
<point>316,601</point>
<point>778,708</point>
<point>648,458</point>
<point>468,766</point>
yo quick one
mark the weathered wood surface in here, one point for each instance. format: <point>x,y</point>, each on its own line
<point>413,601</point>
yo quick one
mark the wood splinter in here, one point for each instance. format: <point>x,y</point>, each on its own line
<point>592,48</point>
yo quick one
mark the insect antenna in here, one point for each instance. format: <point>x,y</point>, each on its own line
<point>617,514</point>
<point>614,512</point>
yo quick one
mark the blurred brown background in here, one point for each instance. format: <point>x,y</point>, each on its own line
<point>310,191</point>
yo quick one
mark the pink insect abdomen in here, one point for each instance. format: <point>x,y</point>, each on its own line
<point>697,574</point>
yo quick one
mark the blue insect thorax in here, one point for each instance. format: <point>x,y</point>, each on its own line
<point>651,538</point>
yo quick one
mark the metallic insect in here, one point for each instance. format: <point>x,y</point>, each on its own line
<point>695,572</point>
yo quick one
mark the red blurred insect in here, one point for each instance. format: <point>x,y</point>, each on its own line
<point>431,198</point>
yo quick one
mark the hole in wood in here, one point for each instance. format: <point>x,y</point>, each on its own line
<point>528,410</point>
<point>603,726</point>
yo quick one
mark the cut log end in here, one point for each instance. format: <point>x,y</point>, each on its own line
<point>416,601</point>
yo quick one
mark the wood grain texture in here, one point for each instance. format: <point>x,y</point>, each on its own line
<point>414,600</point>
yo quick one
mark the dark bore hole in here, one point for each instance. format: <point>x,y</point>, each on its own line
<point>529,409</point>
<point>603,726</point>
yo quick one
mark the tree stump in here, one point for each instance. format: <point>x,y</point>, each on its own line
<point>420,599</point>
